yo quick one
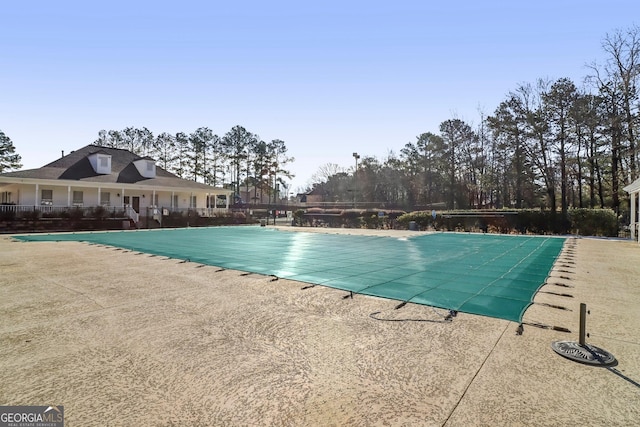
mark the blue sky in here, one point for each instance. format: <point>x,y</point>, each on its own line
<point>329,78</point>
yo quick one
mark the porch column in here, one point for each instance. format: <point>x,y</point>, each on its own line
<point>99,199</point>
<point>227,201</point>
<point>153,198</point>
<point>37,198</point>
<point>122,199</point>
<point>634,221</point>
<point>68,195</point>
<point>215,201</point>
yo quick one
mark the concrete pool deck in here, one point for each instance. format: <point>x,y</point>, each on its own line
<point>121,338</point>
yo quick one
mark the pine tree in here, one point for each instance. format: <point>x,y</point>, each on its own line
<point>9,160</point>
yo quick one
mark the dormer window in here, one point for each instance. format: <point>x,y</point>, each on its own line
<point>146,167</point>
<point>101,163</point>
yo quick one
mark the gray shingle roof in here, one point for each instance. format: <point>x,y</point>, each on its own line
<point>76,167</point>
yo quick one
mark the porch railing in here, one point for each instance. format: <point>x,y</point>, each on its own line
<point>131,213</point>
<point>8,211</point>
<point>50,211</point>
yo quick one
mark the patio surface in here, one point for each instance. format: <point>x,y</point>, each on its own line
<point>124,338</point>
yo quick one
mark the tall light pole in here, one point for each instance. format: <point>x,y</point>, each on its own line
<point>355,180</point>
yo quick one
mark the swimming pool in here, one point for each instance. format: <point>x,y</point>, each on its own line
<point>485,274</point>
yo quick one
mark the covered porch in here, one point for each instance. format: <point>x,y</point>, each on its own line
<point>634,196</point>
<point>135,201</point>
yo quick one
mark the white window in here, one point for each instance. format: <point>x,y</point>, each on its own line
<point>46,197</point>
<point>105,199</point>
<point>192,202</point>
<point>104,162</point>
<point>6,197</point>
<point>78,198</point>
<point>175,201</point>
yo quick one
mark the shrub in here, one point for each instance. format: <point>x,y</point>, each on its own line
<point>352,218</point>
<point>423,220</point>
<point>45,214</point>
<point>370,220</point>
<point>76,214</point>
<point>32,215</point>
<point>593,222</point>
<point>7,214</point>
<point>298,217</point>
<point>99,212</point>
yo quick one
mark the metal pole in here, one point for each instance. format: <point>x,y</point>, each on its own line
<point>355,180</point>
<point>583,323</point>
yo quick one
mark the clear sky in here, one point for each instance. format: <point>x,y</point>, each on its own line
<point>329,78</point>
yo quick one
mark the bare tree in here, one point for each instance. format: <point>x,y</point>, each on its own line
<point>325,171</point>
<point>623,71</point>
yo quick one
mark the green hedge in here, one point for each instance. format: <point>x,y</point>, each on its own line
<point>346,218</point>
<point>594,222</point>
<point>192,219</point>
<point>585,222</point>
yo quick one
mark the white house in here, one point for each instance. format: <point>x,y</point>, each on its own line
<point>634,192</point>
<point>112,178</point>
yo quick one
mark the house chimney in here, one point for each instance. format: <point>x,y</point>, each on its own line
<point>62,153</point>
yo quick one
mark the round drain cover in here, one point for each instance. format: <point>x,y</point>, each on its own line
<point>589,354</point>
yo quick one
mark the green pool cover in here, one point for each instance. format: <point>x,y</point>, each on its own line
<point>486,274</point>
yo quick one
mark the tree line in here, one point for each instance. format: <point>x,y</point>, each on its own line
<point>548,144</point>
<point>238,158</point>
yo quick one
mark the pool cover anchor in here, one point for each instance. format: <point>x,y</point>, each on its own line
<point>559,307</point>
<point>562,285</point>
<point>449,317</point>
<point>520,329</point>
<point>556,293</point>
<point>375,315</point>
